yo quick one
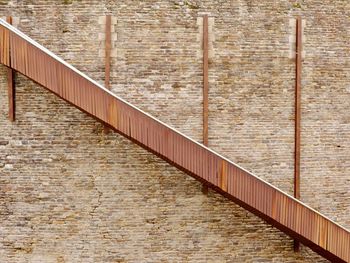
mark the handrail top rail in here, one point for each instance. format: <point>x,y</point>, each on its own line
<point>48,52</point>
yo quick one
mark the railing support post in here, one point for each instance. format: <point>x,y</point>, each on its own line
<point>298,64</point>
<point>11,87</point>
<point>205,87</point>
<point>107,57</point>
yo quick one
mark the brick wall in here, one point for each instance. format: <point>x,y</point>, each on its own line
<point>70,193</point>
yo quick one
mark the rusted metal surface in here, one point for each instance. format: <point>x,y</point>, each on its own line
<point>263,199</point>
<point>205,88</point>
<point>11,94</point>
<point>108,51</point>
<point>107,56</point>
<point>11,87</point>
<point>298,63</point>
<point>5,46</point>
<point>298,107</point>
<point>205,80</point>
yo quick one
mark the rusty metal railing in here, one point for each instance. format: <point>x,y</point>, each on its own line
<point>21,53</point>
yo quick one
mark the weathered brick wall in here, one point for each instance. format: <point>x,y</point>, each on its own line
<point>69,193</point>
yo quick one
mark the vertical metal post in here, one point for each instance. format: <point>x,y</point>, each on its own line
<point>205,80</point>
<point>11,87</point>
<point>298,65</point>
<point>108,51</point>
<point>107,56</point>
<point>205,86</point>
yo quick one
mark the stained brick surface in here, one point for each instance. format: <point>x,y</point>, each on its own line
<point>69,193</point>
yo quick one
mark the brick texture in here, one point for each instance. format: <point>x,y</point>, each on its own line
<point>70,193</point>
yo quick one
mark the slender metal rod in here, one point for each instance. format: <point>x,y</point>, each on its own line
<point>205,80</point>
<point>108,52</point>
<point>107,57</point>
<point>298,65</point>
<point>11,87</point>
<point>205,86</point>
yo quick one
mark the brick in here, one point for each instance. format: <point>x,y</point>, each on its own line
<point>70,193</point>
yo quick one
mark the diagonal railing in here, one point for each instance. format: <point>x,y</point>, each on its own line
<point>21,53</point>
